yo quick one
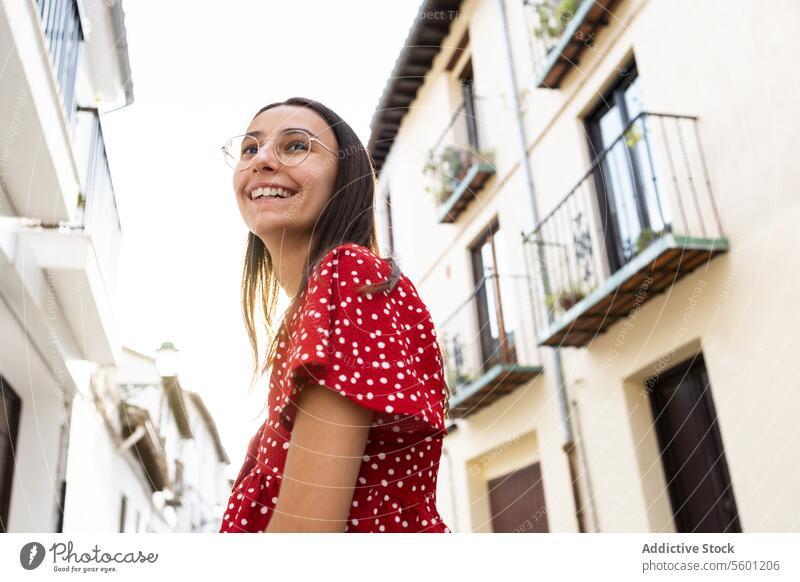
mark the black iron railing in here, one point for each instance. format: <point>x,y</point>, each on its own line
<point>486,329</point>
<point>651,180</point>
<point>63,33</point>
<point>462,143</point>
<point>560,32</point>
<point>547,20</point>
<point>97,206</point>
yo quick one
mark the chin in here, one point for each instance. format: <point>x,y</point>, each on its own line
<point>266,219</point>
<point>274,230</point>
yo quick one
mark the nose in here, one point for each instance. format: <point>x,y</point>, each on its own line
<point>265,158</point>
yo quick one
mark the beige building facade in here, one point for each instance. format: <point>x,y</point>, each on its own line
<point>615,303</point>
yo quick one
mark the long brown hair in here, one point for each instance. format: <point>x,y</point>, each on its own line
<point>348,217</point>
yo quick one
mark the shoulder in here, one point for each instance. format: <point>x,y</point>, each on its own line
<point>353,255</point>
<point>350,266</point>
<point>377,348</point>
<point>342,277</point>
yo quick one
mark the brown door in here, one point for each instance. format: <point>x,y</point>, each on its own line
<point>517,502</point>
<point>691,447</point>
<point>9,425</point>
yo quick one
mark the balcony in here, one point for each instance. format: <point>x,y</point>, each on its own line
<point>38,175</point>
<point>148,449</point>
<point>640,219</point>
<point>61,24</point>
<point>459,164</point>
<point>560,32</point>
<point>177,402</point>
<point>483,344</point>
<point>175,495</point>
<point>97,209</point>
<point>82,259</point>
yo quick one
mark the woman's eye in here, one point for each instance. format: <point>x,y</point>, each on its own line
<point>296,145</point>
<point>249,150</point>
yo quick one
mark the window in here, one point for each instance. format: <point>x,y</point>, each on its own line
<point>467,81</point>
<point>10,405</point>
<point>61,24</point>
<point>122,509</point>
<point>62,499</point>
<point>623,171</point>
<point>495,316</point>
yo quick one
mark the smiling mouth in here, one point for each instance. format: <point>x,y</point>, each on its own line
<point>263,193</point>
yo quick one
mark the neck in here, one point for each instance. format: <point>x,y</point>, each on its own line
<point>289,254</point>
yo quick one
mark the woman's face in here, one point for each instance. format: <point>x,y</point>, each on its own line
<point>284,220</point>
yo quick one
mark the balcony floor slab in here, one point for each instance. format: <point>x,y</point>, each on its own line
<point>665,261</point>
<point>475,178</point>
<point>500,380</point>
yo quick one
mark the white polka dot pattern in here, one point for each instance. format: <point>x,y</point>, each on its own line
<point>380,351</point>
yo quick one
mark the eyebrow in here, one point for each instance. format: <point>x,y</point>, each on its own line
<point>259,133</point>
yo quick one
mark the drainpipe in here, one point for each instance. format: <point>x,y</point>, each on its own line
<point>569,446</point>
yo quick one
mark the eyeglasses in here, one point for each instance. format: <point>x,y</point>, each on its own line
<point>291,148</point>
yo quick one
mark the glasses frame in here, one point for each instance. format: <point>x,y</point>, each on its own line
<point>311,139</point>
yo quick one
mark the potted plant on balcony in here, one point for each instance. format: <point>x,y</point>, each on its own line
<point>80,206</point>
<point>453,351</point>
<point>454,162</point>
<point>646,236</point>
<point>448,165</point>
<point>484,156</point>
<point>456,379</point>
<point>554,16</point>
<point>633,136</point>
<point>570,297</point>
<point>448,168</point>
<point>565,299</point>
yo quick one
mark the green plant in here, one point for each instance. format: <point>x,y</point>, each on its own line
<point>565,299</point>
<point>551,300</point>
<point>455,379</point>
<point>454,163</point>
<point>442,190</point>
<point>81,200</point>
<point>448,168</point>
<point>485,156</point>
<point>633,136</point>
<point>646,236</point>
<point>554,16</point>
<point>430,166</point>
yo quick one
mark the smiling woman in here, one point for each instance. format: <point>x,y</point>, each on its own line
<point>357,396</point>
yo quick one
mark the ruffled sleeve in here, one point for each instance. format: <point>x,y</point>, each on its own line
<point>377,349</point>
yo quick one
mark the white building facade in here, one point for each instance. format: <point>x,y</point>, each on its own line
<point>597,204</point>
<point>145,455</point>
<point>59,238</point>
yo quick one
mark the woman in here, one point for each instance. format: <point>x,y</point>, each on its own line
<point>357,397</point>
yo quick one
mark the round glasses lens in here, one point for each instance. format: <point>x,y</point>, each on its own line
<point>240,150</point>
<point>292,147</point>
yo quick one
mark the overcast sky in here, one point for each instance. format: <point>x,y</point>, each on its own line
<point>200,72</point>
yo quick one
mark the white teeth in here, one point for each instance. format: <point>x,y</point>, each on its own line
<point>270,192</point>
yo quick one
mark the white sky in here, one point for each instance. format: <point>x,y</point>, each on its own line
<point>200,72</point>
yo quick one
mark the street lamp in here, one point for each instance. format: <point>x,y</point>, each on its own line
<point>167,360</point>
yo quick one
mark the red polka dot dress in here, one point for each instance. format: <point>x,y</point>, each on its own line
<point>380,351</point>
